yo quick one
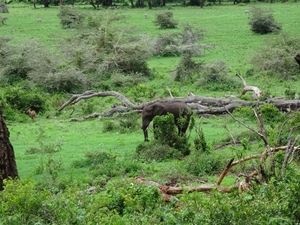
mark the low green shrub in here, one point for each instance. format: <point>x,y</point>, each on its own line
<point>166,132</point>
<point>155,151</point>
<point>262,21</point>
<point>245,113</point>
<point>70,18</point>
<point>271,114</point>
<point>214,77</point>
<point>203,164</point>
<point>165,20</point>
<point>20,99</point>
<point>200,142</point>
<point>276,57</point>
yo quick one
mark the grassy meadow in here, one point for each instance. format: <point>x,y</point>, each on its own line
<point>226,28</point>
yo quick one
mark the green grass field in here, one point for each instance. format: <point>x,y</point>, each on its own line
<point>52,152</point>
<point>226,27</point>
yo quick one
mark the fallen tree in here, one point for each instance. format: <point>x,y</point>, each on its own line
<point>199,104</point>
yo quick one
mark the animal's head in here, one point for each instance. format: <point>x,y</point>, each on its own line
<point>150,111</point>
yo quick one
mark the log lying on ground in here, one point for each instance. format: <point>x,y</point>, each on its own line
<point>199,104</point>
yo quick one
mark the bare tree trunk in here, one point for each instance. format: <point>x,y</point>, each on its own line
<point>297,58</point>
<point>8,166</point>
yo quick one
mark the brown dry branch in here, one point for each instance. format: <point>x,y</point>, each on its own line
<point>243,185</point>
<point>225,171</point>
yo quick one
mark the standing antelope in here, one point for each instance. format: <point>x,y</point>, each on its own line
<point>38,19</point>
<point>31,113</point>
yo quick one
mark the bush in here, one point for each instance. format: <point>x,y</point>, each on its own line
<point>31,62</point>
<point>276,57</point>
<point>70,18</point>
<point>271,114</point>
<point>214,77</point>
<point>201,164</point>
<point>245,113</point>
<point>262,21</point>
<point>165,20</point>
<point>166,132</point>
<point>109,49</point>
<point>177,43</point>
<point>69,80</point>
<point>21,99</point>
<point>200,142</point>
<point>155,151</point>
<point>186,68</point>
<point>3,7</point>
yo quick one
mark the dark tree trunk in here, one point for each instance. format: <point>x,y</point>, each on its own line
<point>46,3</point>
<point>149,4</point>
<point>56,2</point>
<point>297,58</point>
<point>92,3</point>
<point>8,166</point>
<point>202,3</point>
<point>107,2</point>
<point>132,4</point>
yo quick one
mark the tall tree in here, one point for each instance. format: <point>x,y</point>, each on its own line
<point>8,166</point>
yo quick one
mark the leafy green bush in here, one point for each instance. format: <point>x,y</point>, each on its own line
<point>166,132</point>
<point>186,68</point>
<point>155,151</point>
<point>214,77</point>
<point>244,113</point>
<point>202,164</point>
<point>271,114</point>
<point>183,42</point>
<point>200,142</point>
<point>21,99</point>
<point>3,7</point>
<point>290,94</point>
<point>165,20</point>
<point>109,49</point>
<point>276,57</point>
<point>105,164</point>
<point>70,18</point>
<point>262,21</point>
<point>68,80</point>
<point>20,203</point>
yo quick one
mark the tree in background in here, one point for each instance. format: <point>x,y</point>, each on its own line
<point>8,166</point>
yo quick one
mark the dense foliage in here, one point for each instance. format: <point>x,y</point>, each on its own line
<point>165,20</point>
<point>263,22</point>
<point>133,203</point>
<point>276,57</point>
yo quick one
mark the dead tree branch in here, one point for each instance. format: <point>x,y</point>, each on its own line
<point>247,88</point>
<point>199,104</point>
<point>290,150</point>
